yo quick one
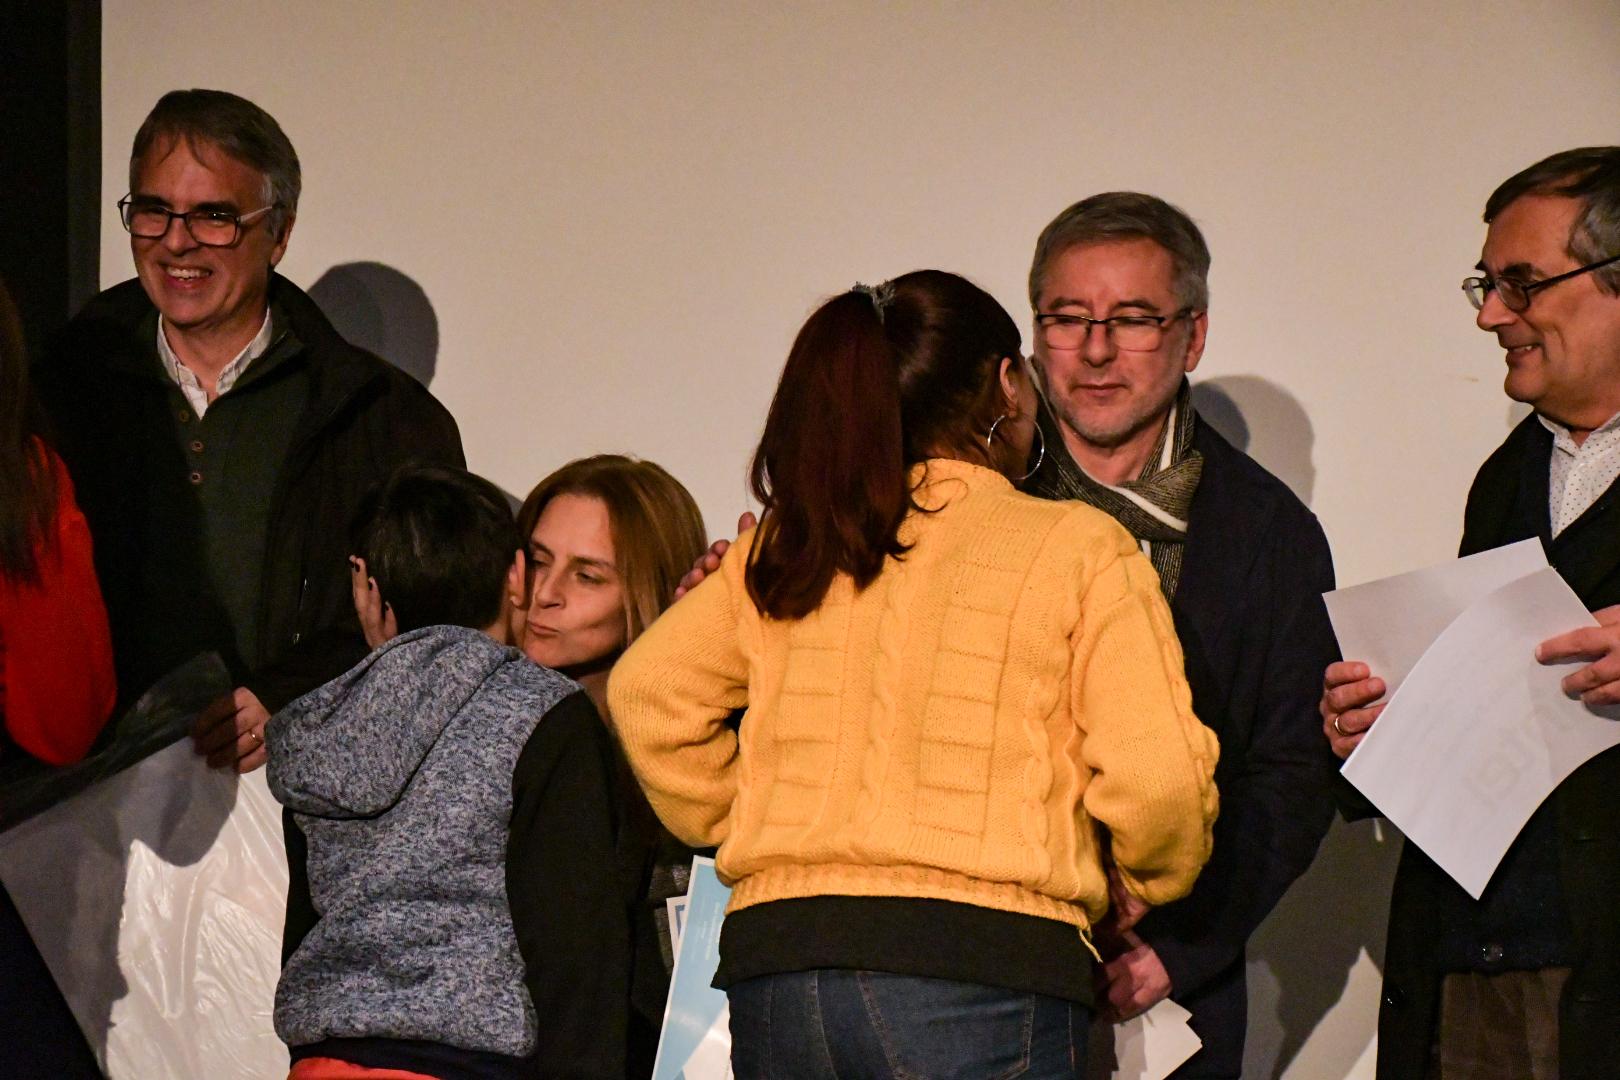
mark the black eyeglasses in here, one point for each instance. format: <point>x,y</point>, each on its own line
<point>1516,294</point>
<point>210,228</point>
<point>1137,333</point>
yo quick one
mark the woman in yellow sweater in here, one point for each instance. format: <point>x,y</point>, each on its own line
<point>964,706</point>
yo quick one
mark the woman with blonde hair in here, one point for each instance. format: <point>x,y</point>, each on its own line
<point>965,710</point>
<point>608,539</point>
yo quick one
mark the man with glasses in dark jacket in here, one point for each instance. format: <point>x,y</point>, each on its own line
<point>1120,293</point>
<point>1525,981</point>
<point>220,432</point>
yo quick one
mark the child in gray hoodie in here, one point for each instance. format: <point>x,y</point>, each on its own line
<point>453,908</point>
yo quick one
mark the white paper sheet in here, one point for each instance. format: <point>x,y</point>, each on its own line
<point>1148,1047</point>
<point>1479,733</point>
<point>1390,623</point>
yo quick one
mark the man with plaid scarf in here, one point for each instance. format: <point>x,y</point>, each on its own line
<point>1120,293</point>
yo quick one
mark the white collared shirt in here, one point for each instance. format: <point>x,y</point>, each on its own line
<point>187,380</point>
<point>1579,474</point>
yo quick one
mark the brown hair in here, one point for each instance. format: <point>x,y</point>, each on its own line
<point>238,127</point>
<point>1128,215</point>
<point>656,525</point>
<point>438,541</point>
<point>877,380</point>
<point>27,482</point>
<point>1590,174</point>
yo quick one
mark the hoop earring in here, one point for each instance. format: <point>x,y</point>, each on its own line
<point>1039,457</point>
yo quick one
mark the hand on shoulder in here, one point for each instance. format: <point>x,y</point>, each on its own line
<point>709,561</point>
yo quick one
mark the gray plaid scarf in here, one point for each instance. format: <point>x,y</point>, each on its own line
<point>1154,506</point>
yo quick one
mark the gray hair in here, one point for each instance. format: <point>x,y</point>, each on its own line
<point>237,127</point>
<point>1128,215</point>
<point>1590,174</point>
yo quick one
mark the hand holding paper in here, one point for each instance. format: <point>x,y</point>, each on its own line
<point>1136,981</point>
<point>1349,690</point>
<point>1599,682</point>
<point>1476,732</point>
<point>1384,626</point>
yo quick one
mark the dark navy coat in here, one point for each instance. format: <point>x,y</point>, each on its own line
<point>1248,609</point>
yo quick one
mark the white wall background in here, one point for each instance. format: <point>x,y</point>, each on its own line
<point>618,214</point>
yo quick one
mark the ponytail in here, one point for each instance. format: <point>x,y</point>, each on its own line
<point>877,380</point>
<point>830,470</point>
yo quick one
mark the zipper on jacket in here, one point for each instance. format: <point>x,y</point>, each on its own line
<point>298,613</point>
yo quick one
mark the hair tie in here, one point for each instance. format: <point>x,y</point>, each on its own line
<point>880,295</point>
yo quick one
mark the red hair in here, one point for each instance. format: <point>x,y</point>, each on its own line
<point>875,382</point>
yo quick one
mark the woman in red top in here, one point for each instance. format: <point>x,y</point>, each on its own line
<point>56,685</point>
<point>56,674</point>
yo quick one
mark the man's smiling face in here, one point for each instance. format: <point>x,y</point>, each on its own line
<point>1563,351</point>
<point>212,291</point>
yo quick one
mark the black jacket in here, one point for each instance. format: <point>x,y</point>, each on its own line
<point>110,404</point>
<point>1248,610</point>
<point>1508,503</point>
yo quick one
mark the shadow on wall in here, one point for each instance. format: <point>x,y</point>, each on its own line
<point>1301,958</point>
<point>381,310</point>
<point>1264,421</point>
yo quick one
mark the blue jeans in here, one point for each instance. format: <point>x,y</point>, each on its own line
<point>854,1025</point>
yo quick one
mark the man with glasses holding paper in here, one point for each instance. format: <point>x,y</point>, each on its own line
<point>220,432</point>
<point>1525,981</point>
<point>1120,292</point>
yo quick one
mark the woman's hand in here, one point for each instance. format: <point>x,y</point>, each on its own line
<point>709,561</point>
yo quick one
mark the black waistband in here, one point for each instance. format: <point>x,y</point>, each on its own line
<point>938,939</point>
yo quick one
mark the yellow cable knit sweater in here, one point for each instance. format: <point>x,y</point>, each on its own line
<point>955,731</point>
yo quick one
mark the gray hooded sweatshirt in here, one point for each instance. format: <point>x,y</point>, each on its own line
<point>400,775</point>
